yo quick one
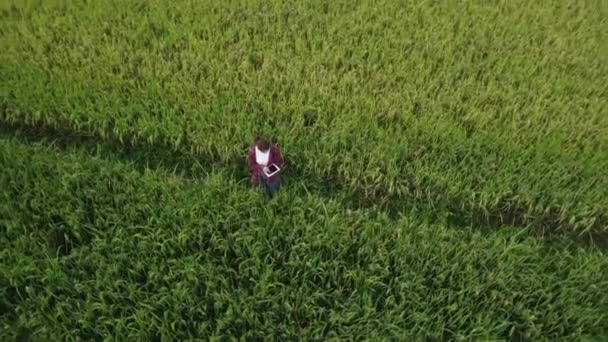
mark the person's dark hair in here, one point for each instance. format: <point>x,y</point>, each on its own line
<point>262,143</point>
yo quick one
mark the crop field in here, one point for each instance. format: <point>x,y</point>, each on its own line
<point>446,170</point>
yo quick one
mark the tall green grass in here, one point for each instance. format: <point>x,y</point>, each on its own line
<point>482,113</point>
<point>494,110</point>
<point>93,248</point>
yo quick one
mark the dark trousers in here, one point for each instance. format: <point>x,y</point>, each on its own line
<point>270,188</point>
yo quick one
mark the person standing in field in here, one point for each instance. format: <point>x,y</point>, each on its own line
<point>262,154</point>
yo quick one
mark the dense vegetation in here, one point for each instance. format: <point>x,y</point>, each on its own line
<point>95,248</point>
<point>433,148</point>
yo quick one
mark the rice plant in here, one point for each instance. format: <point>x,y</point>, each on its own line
<point>443,162</point>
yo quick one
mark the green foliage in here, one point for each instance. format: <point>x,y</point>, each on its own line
<point>409,128</point>
<point>495,110</point>
<point>93,248</point>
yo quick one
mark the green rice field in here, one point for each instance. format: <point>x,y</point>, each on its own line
<point>445,179</point>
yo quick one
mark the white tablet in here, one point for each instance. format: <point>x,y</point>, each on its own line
<point>272,170</point>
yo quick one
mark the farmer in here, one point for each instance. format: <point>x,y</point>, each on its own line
<point>261,155</point>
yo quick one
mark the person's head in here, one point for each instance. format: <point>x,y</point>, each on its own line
<point>262,143</point>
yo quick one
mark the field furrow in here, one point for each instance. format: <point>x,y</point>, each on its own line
<point>189,165</point>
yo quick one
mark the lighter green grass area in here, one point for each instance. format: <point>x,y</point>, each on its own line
<point>477,104</point>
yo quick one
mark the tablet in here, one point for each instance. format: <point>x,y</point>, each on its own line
<point>272,170</point>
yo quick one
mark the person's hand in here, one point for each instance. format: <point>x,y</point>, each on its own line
<point>265,169</point>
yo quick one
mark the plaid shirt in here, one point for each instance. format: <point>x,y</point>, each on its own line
<point>274,157</point>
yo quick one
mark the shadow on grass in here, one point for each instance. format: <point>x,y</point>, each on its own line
<point>191,166</point>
